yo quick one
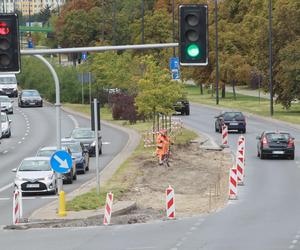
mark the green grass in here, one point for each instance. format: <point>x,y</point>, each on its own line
<point>127,173</point>
<point>246,103</point>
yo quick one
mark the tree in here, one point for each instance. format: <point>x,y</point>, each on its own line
<point>157,92</point>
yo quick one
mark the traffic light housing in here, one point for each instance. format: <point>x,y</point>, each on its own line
<point>9,43</point>
<point>193,34</point>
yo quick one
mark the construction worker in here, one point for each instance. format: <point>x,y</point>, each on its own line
<point>162,145</point>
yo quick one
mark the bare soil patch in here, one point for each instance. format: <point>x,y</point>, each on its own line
<point>199,178</point>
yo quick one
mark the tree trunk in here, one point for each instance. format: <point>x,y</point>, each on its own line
<point>223,90</point>
<point>201,88</point>
<point>233,89</point>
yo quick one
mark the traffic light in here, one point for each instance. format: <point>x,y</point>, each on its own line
<point>193,34</point>
<point>9,43</point>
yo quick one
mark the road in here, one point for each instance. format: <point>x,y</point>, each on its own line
<point>36,127</point>
<point>265,216</point>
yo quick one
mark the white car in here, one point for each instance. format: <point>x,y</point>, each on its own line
<point>35,174</point>
<point>5,125</point>
<point>6,104</point>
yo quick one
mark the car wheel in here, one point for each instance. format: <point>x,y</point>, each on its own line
<point>75,176</point>
<point>187,111</point>
<point>258,154</point>
<point>216,129</point>
<point>100,150</point>
<point>292,157</point>
<point>244,130</point>
<point>9,134</point>
<point>262,156</point>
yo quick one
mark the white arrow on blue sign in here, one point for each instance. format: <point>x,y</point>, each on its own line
<point>61,161</point>
<point>174,63</point>
<point>175,74</point>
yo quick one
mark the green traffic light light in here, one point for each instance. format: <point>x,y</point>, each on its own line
<point>193,50</point>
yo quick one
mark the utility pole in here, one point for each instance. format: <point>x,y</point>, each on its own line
<point>173,23</point>
<point>217,52</point>
<point>114,23</point>
<point>270,59</point>
<point>143,14</point>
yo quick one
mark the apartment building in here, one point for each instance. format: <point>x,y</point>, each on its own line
<point>28,7</point>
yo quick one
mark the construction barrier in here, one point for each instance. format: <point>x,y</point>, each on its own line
<point>108,208</point>
<point>240,166</point>
<point>170,203</point>
<point>224,135</point>
<point>17,206</point>
<point>233,184</point>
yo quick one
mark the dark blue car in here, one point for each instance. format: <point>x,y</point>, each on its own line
<point>232,119</point>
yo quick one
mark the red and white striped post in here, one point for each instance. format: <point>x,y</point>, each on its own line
<point>108,208</point>
<point>233,184</point>
<point>240,166</point>
<point>224,135</point>
<point>17,206</point>
<point>241,154</point>
<point>170,202</point>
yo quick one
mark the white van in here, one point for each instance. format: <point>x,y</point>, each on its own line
<point>8,85</point>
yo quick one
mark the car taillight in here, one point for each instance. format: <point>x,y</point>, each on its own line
<point>264,142</point>
<point>290,143</point>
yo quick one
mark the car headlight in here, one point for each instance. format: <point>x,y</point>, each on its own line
<point>49,177</point>
<point>93,144</point>
<point>19,178</point>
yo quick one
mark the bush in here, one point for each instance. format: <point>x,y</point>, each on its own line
<point>123,107</point>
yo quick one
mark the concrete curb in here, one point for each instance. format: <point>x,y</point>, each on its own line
<point>50,209</point>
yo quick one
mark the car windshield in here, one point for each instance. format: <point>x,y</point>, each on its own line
<point>30,93</point>
<point>4,99</point>
<point>48,153</point>
<point>7,80</point>
<point>82,133</point>
<point>74,147</point>
<point>233,115</point>
<point>35,165</point>
<point>271,137</point>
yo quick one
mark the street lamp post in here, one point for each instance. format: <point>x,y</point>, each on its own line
<point>217,52</point>
<point>270,59</point>
<point>173,23</point>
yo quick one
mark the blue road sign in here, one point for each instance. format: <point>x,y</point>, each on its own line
<point>61,161</point>
<point>83,56</point>
<point>30,44</point>
<point>174,63</point>
<point>176,74</point>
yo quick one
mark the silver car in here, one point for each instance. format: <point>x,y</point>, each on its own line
<point>6,104</point>
<point>35,174</point>
<point>5,125</point>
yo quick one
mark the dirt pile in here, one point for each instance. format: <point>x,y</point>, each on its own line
<point>198,176</point>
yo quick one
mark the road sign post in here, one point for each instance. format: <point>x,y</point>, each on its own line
<point>97,145</point>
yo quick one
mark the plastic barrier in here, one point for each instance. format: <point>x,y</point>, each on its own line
<point>17,206</point>
<point>108,208</point>
<point>224,135</point>
<point>170,203</point>
<point>233,184</point>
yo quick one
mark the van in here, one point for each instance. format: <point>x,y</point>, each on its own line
<point>8,85</point>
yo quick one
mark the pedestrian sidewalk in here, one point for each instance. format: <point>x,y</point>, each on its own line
<point>250,92</point>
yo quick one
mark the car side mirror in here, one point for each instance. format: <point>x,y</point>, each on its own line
<point>258,137</point>
<point>14,170</point>
<point>9,120</point>
<point>12,101</point>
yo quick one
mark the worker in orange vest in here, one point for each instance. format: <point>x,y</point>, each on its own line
<point>162,145</point>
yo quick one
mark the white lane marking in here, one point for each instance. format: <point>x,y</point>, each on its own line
<point>28,198</point>
<point>5,151</point>
<point>105,143</point>
<point>19,142</point>
<point>4,199</point>
<point>23,138</point>
<point>297,236</point>
<point>26,134</point>
<point>139,248</point>
<point>49,197</point>
<point>294,241</point>
<point>291,247</point>
<point>193,228</point>
<point>76,124</point>
<point>6,187</point>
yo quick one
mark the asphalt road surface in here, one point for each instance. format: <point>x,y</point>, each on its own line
<point>33,128</point>
<point>265,216</point>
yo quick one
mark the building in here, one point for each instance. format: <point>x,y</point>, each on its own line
<point>28,7</point>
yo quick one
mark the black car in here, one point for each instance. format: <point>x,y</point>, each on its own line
<point>233,120</point>
<point>182,106</point>
<point>30,98</point>
<point>87,137</point>
<point>275,144</point>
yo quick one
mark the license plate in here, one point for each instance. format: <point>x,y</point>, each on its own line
<point>278,152</point>
<point>233,123</point>
<point>32,103</point>
<point>33,185</point>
